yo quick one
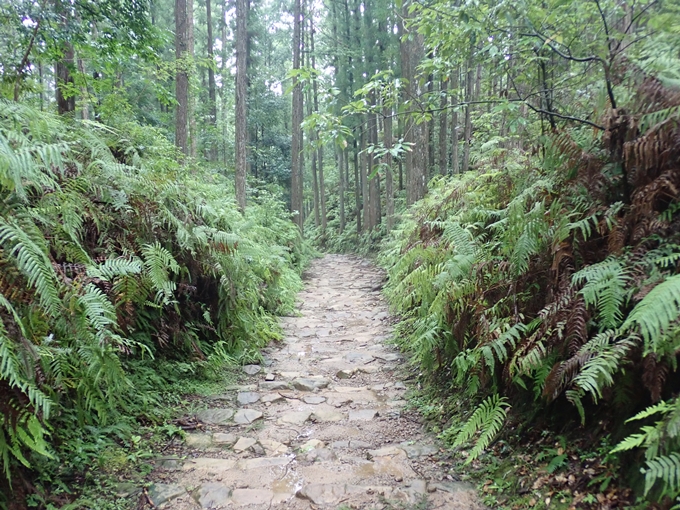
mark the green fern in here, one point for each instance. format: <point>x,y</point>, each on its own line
<point>656,312</point>
<point>487,420</point>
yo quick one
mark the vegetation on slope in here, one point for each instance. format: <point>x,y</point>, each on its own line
<point>550,284</point>
<point>120,271</point>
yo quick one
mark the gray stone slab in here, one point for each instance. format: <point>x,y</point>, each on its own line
<point>161,493</point>
<point>198,440</point>
<point>243,444</point>
<point>222,439</point>
<point>247,397</point>
<point>314,399</point>
<point>252,369</point>
<point>274,385</point>
<point>272,398</point>
<point>362,415</point>
<point>215,416</point>
<point>310,384</point>
<point>295,417</point>
<point>247,416</point>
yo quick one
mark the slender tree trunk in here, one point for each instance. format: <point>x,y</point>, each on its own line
<point>389,185</point>
<point>469,90</point>
<point>241,98</point>
<point>319,151</point>
<point>430,130</point>
<point>443,129</point>
<point>342,155</point>
<point>191,110</point>
<point>364,179</point>
<point>357,185</point>
<point>296,142</point>
<point>455,164</point>
<point>374,182</point>
<point>85,105</point>
<point>212,96</point>
<point>182,77</point>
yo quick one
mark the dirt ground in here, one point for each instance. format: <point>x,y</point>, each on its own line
<point>322,423</point>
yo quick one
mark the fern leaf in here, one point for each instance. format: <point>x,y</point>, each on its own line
<point>656,312</point>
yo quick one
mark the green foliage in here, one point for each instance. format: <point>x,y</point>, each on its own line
<point>487,420</point>
<point>119,271</point>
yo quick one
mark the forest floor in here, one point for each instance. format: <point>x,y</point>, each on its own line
<point>322,423</point>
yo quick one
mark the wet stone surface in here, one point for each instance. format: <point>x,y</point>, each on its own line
<point>324,425</point>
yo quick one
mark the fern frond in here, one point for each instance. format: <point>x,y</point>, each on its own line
<point>656,312</point>
<point>488,418</point>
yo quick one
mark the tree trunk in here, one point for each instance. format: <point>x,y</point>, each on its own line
<point>389,184</point>
<point>241,97</point>
<point>357,184</point>
<point>191,109</point>
<point>469,90</point>
<point>182,77</point>
<point>321,189</point>
<point>455,164</point>
<point>443,129</point>
<point>342,155</point>
<point>365,163</point>
<point>296,142</point>
<point>212,96</point>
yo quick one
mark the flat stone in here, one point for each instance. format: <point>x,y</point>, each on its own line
<point>258,450</point>
<point>214,495</point>
<point>311,445</point>
<point>272,447</point>
<point>345,374</point>
<point>209,465</point>
<point>215,416</point>
<point>243,444</point>
<point>222,439</point>
<point>272,398</point>
<point>308,384</point>
<point>247,397</point>
<point>247,497</point>
<point>274,385</point>
<point>416,450</point>
<point>350,389</point>
<point>321,455</point>
<point>358,357</point>
<point>399,386</point>
<point>295,417</point>
<point>198,440</point>
<point>362,415</point>
<point>252,369</point>
<point>387,451</point>
<point>359,444</point>
<point>314,399</point>
<point>247,416</point>
<point>368,369</point>
<point>327,415</point>
<point>269,377</point>
<point>241,387</point>
<point>264,462</point>
<point>163,492</point>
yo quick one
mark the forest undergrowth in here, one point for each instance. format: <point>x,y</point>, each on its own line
<point>126,281</point>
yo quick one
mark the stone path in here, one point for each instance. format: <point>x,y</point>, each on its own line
<point>322,424</point>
